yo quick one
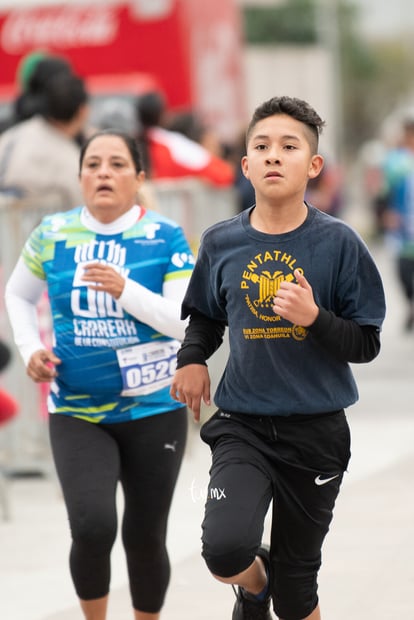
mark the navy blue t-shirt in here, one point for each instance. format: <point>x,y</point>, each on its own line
<point>274,367</point>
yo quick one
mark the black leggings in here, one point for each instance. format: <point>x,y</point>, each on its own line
<point>145,456</point>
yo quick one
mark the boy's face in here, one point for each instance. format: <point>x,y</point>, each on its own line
<point>280,160</point>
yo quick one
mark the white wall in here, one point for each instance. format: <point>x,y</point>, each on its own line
<point>304,72</point>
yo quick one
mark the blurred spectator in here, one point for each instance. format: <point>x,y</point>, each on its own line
<point>189,125</point>
<point>374,192</point>
<point>116,113</point>
<point>33,75</point>
<point>325,191</point>
<point>8,405</point>
<point>170,154</point>
<point>7,119</point>
<point>399,214</point>
<point>5,355</point>
<point>39,157</point>
<point>245,191</point>
<point>186,123</point>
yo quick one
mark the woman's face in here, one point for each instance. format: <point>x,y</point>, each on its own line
<point>108,178</point>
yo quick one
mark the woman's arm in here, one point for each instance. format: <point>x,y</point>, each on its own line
<point>23,291</point>
<point>161,312</point>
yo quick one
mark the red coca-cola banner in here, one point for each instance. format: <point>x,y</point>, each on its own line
<point>58,27</point>
<point>101,39</point>
<point>192,48</point>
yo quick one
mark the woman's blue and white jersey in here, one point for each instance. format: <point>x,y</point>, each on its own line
<point>90,326</point>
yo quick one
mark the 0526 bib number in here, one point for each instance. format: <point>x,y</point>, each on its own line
<point>146,368</point>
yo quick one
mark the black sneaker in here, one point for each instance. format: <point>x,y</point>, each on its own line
<point>247,607</point>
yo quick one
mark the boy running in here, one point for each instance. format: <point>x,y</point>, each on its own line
<point>302,299</point>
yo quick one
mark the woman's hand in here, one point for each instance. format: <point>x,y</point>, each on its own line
<point>42,366</point>
<point>104,278</point>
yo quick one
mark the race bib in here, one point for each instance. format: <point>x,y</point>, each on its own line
<point>146,368</point>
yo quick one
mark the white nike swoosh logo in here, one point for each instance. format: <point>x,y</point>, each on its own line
<point>320,481</point>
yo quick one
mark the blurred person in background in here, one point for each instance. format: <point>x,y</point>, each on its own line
<point>5,355</point>
<point>8,405</point>
<point>325,191</point>
<point>189,125</point>
<point>172,155</point>
<point>33,74</point>
<point>371,179</point>
<point>39,156</point>
<point>116,275</point>
<point>34,70</point>
<point>398,215</point>
<point>116,113</point>
<point>246,197</point>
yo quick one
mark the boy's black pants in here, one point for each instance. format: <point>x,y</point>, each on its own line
<point>296,461</point>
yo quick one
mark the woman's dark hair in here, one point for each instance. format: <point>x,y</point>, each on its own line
<point>128,140</point>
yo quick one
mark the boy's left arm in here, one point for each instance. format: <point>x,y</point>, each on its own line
<point>344,338</point>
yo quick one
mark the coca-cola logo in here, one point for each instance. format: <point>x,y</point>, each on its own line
<point>151,9</point>
<point>61,28</point>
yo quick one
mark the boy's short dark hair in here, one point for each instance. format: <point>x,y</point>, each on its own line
<point>296,108</point>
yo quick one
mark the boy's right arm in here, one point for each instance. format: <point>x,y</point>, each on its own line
<point>191,381</point>
<point>191,384</point>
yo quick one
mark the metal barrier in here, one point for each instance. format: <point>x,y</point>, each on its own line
<point>24,445</point>
<point>23,442</point>
<point>195,206</point>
